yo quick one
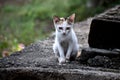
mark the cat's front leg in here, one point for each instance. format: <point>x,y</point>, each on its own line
<point>74,52</point>
<point>69,51</point>
<point>61,59</point>
<point>55,49</point>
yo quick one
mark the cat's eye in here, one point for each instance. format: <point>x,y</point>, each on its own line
<point>60,28</point>
<point>68,28</point>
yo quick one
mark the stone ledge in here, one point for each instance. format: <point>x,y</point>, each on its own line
<point>100,58</point>
<point>55,74</point>
<point>92,52</point>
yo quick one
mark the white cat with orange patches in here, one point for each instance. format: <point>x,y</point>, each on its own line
<point>66,43</point>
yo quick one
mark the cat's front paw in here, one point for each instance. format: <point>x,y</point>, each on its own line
<point>61,61</point>
<point>67,60</point>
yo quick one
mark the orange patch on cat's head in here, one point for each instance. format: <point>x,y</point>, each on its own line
<point>69,19</point>
<point>60,20</point>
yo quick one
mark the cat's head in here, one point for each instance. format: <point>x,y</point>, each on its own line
<point>63,25</point>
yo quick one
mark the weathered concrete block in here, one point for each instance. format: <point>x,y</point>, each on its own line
<point>105,30</point>
<point>87,53</point>
<point>100,58</point>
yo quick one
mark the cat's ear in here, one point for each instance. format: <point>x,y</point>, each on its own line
<point>56,19</point>
<point>71,18</point>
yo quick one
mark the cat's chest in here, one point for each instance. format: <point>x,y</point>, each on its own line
<point>65,39</point>
<point>65,45</point>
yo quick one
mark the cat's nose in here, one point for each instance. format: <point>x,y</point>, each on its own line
<point>64,33</point>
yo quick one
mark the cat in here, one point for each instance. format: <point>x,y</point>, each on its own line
<point>66,42</point>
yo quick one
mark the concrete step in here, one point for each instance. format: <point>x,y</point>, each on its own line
<point>33,73</point>
<point>105,30</point>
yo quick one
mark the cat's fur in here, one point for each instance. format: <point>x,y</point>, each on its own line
<point>66,43</point>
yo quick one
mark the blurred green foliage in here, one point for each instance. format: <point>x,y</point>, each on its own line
<point>32,21</point>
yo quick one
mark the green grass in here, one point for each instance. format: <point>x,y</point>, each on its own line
<point>27,23</point>
<point>32,21</point>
